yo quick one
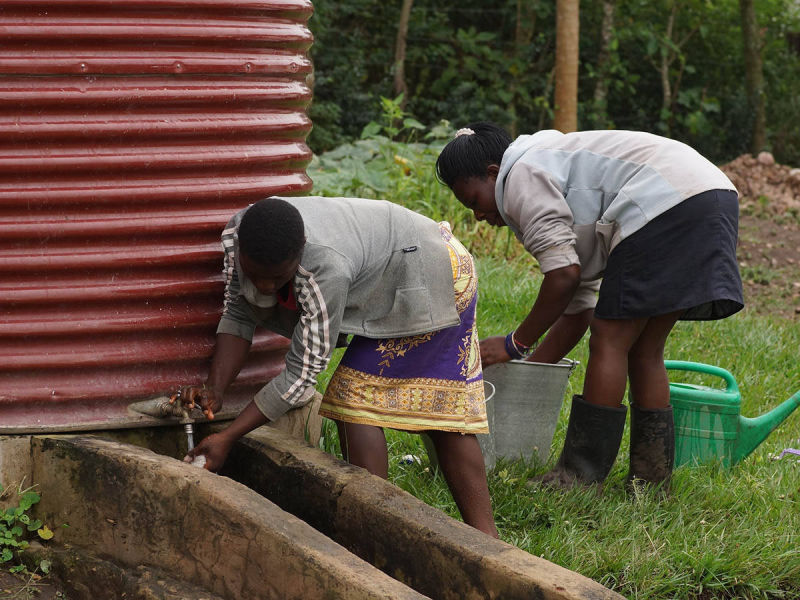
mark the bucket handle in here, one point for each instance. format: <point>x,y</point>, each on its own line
<point>682,365</point>
<point>494,390</point>
<point>571,363</point>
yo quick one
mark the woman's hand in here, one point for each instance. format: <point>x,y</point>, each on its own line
<point>215,448</point>
<point>493,350</point>
<point>202,397</point>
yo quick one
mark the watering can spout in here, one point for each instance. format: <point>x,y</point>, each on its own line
<point>754,431</point>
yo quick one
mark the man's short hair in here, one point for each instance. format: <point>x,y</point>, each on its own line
<point>271,232</point>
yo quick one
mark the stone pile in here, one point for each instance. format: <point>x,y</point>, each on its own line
<point>765,185</point>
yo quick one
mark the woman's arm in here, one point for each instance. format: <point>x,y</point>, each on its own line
<point>557,289</point>
<point>562,337</point>
<point>554,296</point>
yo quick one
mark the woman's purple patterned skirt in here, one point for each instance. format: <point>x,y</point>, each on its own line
<point>416,383</point>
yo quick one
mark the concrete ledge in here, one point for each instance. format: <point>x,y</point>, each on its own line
<point>413,542</point>
<point>16,465</point>
<point>146,509</point>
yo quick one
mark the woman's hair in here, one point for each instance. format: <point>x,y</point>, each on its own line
<point>469,154</point>
<point>271,232</point>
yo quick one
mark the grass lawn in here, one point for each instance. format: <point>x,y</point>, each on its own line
<point>722,533</point>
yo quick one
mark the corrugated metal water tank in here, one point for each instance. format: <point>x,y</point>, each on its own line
<point>130,131</point>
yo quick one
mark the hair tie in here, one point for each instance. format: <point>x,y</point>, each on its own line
<point>465,131</point>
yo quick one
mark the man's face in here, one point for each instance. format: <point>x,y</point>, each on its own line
<point>268,279</point>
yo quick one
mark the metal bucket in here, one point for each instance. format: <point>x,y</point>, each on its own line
<point>522,410</point>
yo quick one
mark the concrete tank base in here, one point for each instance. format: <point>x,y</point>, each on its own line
<point>349,534</point>
<point>139,508</point>
<point>391,529</point>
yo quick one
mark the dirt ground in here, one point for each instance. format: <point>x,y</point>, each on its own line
<point>769,261</point>
<point>769,234</point>
<point>25,587</point>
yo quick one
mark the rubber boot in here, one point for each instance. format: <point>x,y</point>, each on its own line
<point>590,448</point>
<point>652,448</point>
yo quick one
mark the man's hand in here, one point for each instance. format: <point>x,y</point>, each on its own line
<point>215,448</point>
<point>202,397</point>
<point>493,350</point>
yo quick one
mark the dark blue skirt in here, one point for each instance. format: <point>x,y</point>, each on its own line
<point>683,260</point>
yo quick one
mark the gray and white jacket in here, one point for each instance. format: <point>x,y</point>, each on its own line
<point>369,267</point>
<point>571,198</point>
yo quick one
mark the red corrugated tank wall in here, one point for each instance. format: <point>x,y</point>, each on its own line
<point>130,131</point>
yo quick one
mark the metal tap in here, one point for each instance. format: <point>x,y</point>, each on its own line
<point>165,407</point>
<point>188,422</point>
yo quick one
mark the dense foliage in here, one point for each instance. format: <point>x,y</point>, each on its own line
<point>468,60</point>
<point>382,168</point>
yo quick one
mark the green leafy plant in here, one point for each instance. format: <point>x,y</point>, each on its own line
<point>16,525</point>
<point>381,168</point>
<point>394,121</point>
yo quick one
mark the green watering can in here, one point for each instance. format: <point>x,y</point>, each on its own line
<point>708,426</point>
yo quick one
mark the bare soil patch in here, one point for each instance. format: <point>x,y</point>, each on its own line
<point>769,233</point>
<point>769,261</point>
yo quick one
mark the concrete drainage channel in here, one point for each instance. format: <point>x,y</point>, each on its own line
<point>284,521</point>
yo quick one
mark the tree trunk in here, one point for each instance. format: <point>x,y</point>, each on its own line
<point>523,32</point>
<point>400,86</point>
<point>603,60</point>
<point>670,51</point>
<point>754,75</point>
<point>666,60</point>
<point>566,71</point>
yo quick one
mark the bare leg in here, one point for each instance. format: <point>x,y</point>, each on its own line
<point>649,384</point>
<point>619,349</point>
<point>597,418</point>
<point>607,369</point>
<point>652,447</point>
<point>462,465</point>
<point>364,446</point>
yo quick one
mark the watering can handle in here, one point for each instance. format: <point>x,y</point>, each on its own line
<point>681,365</point>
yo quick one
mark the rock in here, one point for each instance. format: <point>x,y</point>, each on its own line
<point>766,158</point>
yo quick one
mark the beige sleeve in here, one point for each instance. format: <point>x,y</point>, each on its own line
<point>540,212</point>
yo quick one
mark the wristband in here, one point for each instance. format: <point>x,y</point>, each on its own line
<point>516,350</point>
